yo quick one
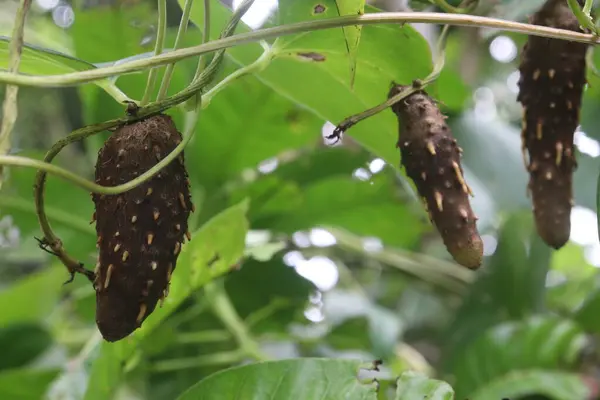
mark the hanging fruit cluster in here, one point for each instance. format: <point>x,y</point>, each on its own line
<point>552,79</point>
<point>141,231</point>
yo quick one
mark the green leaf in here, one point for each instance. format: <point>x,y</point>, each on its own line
<point>233,134</point>
<point>412,386</point>
<point>368,208</point>
<point>351,33</point>
<point>578,279</point>
<point>32,298</point>
<point>587,315</point>
<point>106,369</point>
<point>36,60</point>
<point>384,325</point>
<point>22,343</point>
<point>310,70</point>
<point>299,379</point>
<point>551,385</point>
<point>260,286</point>
<point>223,236</point>
<point>538,343</point>
<point>222,240</point>
<point>24,384</point>
<point>521,263</point>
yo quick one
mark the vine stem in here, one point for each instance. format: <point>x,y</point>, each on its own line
<point>584,18</point>
<point>9,107</point>
<point>417,85</point>
<point>223,308</point>
<point>74,78</point>
<point>469,5</point>
<point>50,239</point>
<point>205,37</point>
<point>46,167</point>
<point>185,17</point>
<point>158,48</point>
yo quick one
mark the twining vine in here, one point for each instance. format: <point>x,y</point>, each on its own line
<point>405,100</point>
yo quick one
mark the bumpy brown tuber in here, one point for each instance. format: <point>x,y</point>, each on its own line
<point>140,232</point>
<point>431,158</point>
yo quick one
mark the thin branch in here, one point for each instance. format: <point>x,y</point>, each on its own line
<point>215,359</point>
<point>183,23</point>
<point>9,107</point>
<point>72,79</point>
<point>465,8</point>
<point>45,167</point>
<point>584,19</point>
<point>417,85</point>
<point>223,309</point>
<point>64,218</point>
<point>205,37</point>
<point>158,48</point>
<point>259,65</point>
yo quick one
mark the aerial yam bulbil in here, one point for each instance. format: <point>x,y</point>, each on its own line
<point>140,232</point>
<point>552,79</point>
<point>431,158</point>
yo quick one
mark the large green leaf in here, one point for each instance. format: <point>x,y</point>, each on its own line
<point>311,70</point>
<point>262,285</point>
<point>22,343</point>
<point>224,237</point>
<point>23,384</point>
<point>32,298</point>
<point>233,133</point>
<point>299,379</point>
<point>412,386</point>
<point>383,326</point>
<point>587,315</point>
<point>351,33</point>
<point>538,343</point>
<point>366,208</point>
<point>551,385</point>
<point>519,264</point>
<point>36,60</point>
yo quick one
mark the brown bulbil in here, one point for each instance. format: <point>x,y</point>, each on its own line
<point>137,245</point>
<point>551,86</point>
<point>431,158</point>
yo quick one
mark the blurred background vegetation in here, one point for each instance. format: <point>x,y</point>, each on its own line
<point>339,260</point>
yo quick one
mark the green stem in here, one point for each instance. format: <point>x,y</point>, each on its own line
<point>587,7</point>
<point>63,218</point>
<point>208,336</point>
<point>584,18</point>
<point>465,8</point>
<point>9,107</point>
<point>223,308</point>
<point>259,65</point>
<point>113,91</point>
<point>158,48</point>
<point>216,359</point>
<point>72,79</point>
<point>183,23</point>
<point>46,167</point>
<point>205,37</point>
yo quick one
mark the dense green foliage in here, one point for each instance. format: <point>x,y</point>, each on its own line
<point>250,324</point>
